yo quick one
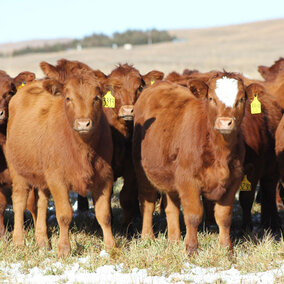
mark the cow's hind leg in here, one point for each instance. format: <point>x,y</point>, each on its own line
<point>223,216</point>
<point>41,228</point>
<point>193,212</point>
<point>19,197</point>
<point>101,198</point>
<point>128,196</point>
<point>172,206</point>
<point>64,214</point>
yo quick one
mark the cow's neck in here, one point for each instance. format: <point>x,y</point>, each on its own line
<point>119,124</point>
<point>3,129</point>
<point>225,143</point>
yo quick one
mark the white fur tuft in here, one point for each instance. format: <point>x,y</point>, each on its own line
<point>227,90</point>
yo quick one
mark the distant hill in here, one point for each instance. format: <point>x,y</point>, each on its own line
<point>238,48</point>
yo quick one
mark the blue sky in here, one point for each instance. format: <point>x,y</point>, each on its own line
<point>49,19</point>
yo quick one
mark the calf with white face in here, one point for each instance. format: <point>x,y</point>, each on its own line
<point>186,147</point>
<point>227,100</point>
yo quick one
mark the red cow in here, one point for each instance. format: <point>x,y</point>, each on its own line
<point>8,87</point>
<point>63,141</point>
<point>260,163</point>
<point>125,84</point>
<point>187,147</point>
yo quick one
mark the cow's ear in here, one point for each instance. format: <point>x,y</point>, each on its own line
<point>198,88</point>
<point>53,87</point>
<point>100,75</point>
<point>253,90</point>
<point>22,78</point>
<point>263,70</point>
<point>49,70</point>
<point>152,77</point>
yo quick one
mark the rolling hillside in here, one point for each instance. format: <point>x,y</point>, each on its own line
<point>238,48</point>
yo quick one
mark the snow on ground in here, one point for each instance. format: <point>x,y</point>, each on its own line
<point>114,274</point>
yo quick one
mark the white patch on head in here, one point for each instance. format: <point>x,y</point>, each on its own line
<point>227,90</point>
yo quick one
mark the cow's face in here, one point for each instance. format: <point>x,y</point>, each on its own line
<point>126,84</point>
<point>82,102</point>
<point>226,102</point>
<point>7,90</point>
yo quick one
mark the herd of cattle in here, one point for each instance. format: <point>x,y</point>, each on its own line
<point>182,137</point>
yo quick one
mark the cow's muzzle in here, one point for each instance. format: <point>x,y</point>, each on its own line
<point>83,125</point>
<point>126,112</point>
<point>225,125</point>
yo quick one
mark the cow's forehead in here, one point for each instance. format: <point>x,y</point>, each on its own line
<point>227,90</point>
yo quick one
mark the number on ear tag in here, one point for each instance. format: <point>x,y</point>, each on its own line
<point>108,100</point>
<point>255,106</point>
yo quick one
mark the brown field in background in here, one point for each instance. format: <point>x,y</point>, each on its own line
<point>239,48</point>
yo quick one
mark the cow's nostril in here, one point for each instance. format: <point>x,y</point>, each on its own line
<point>230,122</point>
<point>1,112</point>
<point>88,123</point>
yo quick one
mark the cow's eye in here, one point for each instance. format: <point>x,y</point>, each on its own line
<point>139,90</point>
<point>68,99</point>
<point>97,98</point>
<point>241,100</point>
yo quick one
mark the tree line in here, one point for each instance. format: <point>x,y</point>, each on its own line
<point>134,37</point>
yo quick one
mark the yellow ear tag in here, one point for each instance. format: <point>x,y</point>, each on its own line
<point>152,82</point>
<point>255,106</point>
<point>245,185</point>
<point>108,100</point>
<point>21,86</point>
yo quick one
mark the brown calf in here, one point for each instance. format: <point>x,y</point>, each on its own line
<point>8,87</point>
<point>260,162</point>
<point>126,83</point>
<point>62,141</point>
<point>187,147</point>
<point>258,131</point>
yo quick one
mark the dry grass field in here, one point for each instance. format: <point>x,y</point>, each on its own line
<point>238,48</point>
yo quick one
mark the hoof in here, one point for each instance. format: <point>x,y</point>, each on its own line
<point>191,251</point>
<point>110,244</point>
<point>64,251</point>
<point>18,241</point>
<point>42,243</point>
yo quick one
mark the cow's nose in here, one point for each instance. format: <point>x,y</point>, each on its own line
<point>225,124</point>
<point>83,125</point>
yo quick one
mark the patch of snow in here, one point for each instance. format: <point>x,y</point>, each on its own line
<point>113,274</point>
<point>103,253</point>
